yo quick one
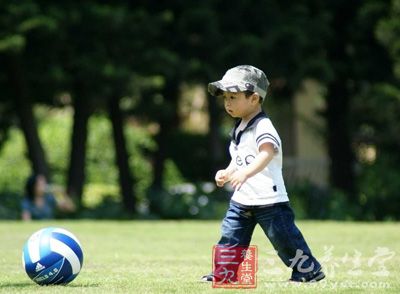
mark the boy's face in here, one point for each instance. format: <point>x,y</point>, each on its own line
<point>238,105</point>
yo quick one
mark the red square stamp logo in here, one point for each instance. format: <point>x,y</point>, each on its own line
<point>234,267</point>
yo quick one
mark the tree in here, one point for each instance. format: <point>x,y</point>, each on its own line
<point>24,110</point>
<point>377,123</point>
<point>338,99</point>
<point>97,79</point>
<point>357,60</point>
<point>76,170</point>
<point>121,154</point>
<point>23,28</point>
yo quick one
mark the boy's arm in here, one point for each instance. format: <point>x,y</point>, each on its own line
<point>222,176</point>
<point>230,169</point>
<point>265,155</point>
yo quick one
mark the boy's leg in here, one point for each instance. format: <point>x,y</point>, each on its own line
<point>237,227</point>
<point>236,230</point>
<point>278,224</point>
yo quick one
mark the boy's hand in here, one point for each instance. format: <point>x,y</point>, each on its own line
<point>238,178</point>
<point>221,177</point>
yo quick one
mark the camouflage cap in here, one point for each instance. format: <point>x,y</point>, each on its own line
<point>241,78</point>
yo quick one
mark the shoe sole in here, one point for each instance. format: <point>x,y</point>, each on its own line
<point>206,279</point>
<point>317,278</point>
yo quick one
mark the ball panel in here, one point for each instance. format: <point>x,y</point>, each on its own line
<point>25,256</point>
<point>71,243</point>
<point>33,269</point>
<point>69,234</point>
<point>44,244</point>
<point>62,249</point>
<point>65,274</point>
<point>34,246</point>
<point>50,274</point>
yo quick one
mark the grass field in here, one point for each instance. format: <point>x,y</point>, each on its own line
<point>170,256</point>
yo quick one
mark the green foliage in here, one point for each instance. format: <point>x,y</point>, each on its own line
<point>12,43</point>
<point>173,176</point>
<point>388,32</point>
<point>102,175</point>
<point>10,206</point>
<point>189,201</point>
<point>378,178</point>
<point>196,163</point>
<point>377,199</point>
<point>379,186</point>
<point>101,168</point>
<point>312,202</point>
<point>139,144</point>
<point>15,169</point>
<point>378,118</point>
<point>14,165</point>
<point>109,207</point>
<point>100,159</point>
<point>54,129</point>
<point>17,22</point>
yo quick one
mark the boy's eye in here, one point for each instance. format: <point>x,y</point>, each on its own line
<point>229,97</point>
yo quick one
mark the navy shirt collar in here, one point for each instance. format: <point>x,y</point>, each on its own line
<point>252,123</point>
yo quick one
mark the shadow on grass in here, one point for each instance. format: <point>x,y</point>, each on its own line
<point>82,285</point>
<point>30,284</point>
<point>16,285</point>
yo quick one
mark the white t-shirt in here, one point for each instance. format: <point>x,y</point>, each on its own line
<point>266,187</point>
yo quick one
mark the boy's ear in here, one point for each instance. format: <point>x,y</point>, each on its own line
<point>255,97</point>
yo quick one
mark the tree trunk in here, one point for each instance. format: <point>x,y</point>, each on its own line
<point>338,101</point>
<point>168,123</point>
<point>339,138</point>
<point>24,111</point>
<point>121,156</point>
<point>76,171</point>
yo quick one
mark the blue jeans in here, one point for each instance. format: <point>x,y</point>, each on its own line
<point>278,225</point>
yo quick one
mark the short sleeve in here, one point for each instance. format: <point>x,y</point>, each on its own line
<point>266,133</point>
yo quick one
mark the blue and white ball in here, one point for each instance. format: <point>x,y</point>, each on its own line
<point>52,256</point>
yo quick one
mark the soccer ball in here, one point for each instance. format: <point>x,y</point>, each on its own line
<point>52,256</point>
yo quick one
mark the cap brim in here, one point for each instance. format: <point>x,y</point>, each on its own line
<point>216,88</point>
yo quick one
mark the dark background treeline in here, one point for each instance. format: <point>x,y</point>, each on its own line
<point>122,71</point>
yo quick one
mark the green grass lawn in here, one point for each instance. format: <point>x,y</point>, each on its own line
<point>170,256</point>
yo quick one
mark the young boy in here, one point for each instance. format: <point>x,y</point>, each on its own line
<point>255,173</point>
